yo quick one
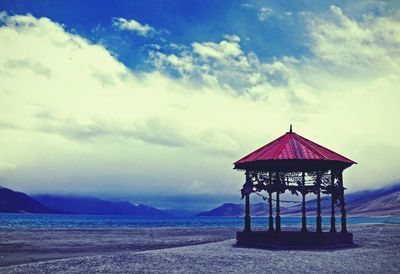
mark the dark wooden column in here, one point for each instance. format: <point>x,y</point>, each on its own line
<point>319,223</point>
<point>278,217</point>
<point>342,203</point>
<point>247,221</point>
<point>271,218</point>
<point>247,225</point>
<point>303,204</point>
<point>333,194</point>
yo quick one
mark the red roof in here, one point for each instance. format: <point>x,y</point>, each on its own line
<point>292,146</point>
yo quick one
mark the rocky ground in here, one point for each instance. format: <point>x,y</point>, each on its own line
<point>377,252</point>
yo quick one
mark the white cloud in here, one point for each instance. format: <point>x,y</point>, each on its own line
<point>264,13</point>
<point>224,64</point>
<point>374,41</point>
<point>133,25</point>
<point>74,119</point>
<point>228,48</point>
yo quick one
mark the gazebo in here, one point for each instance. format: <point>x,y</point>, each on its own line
<point>296,164</point>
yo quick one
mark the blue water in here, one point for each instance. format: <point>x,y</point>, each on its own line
<point>22,221</point>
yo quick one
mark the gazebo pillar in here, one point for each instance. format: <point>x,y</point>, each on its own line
<point>303,204</point>
<point>247,225</point>
<point>278,210</point>
<point>247,221</point>
<point>278,217</point>
<point>271,218</point>
<point>333,220</point>
<point>342,203</point>
<point>319,223</point>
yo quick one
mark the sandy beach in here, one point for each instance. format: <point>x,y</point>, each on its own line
<point>18,246</point>
<point>179,250</point>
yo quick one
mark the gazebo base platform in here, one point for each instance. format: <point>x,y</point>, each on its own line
<point>294,239</point>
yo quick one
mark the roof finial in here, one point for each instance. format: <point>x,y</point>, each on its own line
<point>290,130</point>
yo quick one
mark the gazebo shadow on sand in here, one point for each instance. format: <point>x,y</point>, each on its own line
<point>296,164</point>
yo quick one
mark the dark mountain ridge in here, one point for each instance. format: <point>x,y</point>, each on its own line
<point>18,202</point>
<point>357,200</point>
<point>236,210</point>
<point>92,205</point>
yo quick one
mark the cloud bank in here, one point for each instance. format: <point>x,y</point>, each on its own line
<point>73,119</point>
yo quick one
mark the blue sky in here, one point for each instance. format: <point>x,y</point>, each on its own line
<point>182,21</point>
<point>281,32</point>
<point>154,100</point>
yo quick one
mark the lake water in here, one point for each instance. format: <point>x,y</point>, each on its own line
<point>20,221</point>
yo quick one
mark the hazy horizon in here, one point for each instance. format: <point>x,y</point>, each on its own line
<point>195,203</point>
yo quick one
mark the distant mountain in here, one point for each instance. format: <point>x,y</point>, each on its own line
<point>18,202</point>
<point>387,205</point>
<point>359,199</point>
<point>236,210</point>
<point>380,202</point>
<point>91,205</point>
<point>228,209</point>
